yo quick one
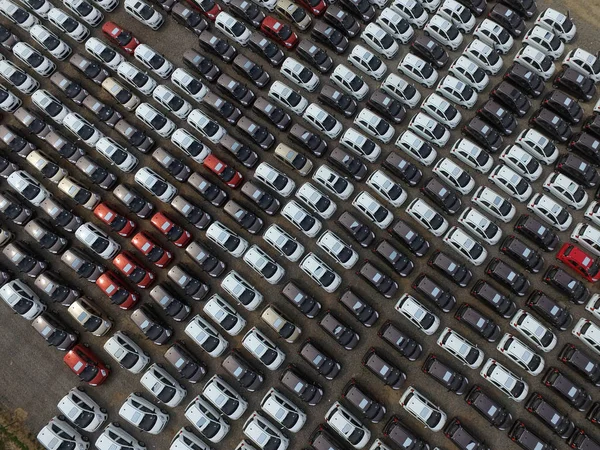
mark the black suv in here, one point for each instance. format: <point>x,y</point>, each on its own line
<point>217,46</point>
<point>406,346</point>
<point>435,293</point>
<point>533,229</point>
<point>301,300</point>
<point>558,422</point>
<point>343,334</point>
<point>382,369</point>
<point>359,308</point>
<point>549,309</point>
<point>499,116</point>
<point>587,145</point>
<point>509,19</point>
<point>527,8</point>
<point>564,105</point>
<point>266,48</point>
<point>357,229</point>
<point>581,362</point>
<point>378,280</point>
<point>308,140</point>
<point>575,83</point>
<point>552,124</point>
<point>349,164</point>
<point>406,171</point>
<point>478,322</point>
<point>582,441</point>
<point>574,289</point>
<point>592,125</point>
<point>272,113</point>
<point>248,11</point>
<point>442,195</point>
<point>314,55</point>
<point>387,106</point>
<point>224,108</point>
<point>525,79</point>
<point>508,276</point>
<point>321,439</point>
<point>526,438</point>
<point>329,36</point>
<point>570,391</point>
<point>394,258</point>
<point>512,98</point>
<point>201,64</point>
<point>408,237</point>
<point>339,101</point>
<point>305,390</point>
<point>242,152</point>
<point>522,253</point>
<point>463,438</point>
<point>456,272</point>
<point>363,403</point>
<point>360,8</point>
<point>342,20</point>
<point>488,408</point>
<point>430,50</point>
<point>493,298</point>
<point>449,378</point>
<point>578,169</point>
<point>320,361</point>
<point>484,134</point>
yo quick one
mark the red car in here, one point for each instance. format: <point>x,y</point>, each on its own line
<point>226,173</point>
<point>151,250</point>
<point>316,7</point>
<point>279,31</point>
<point>115,221</point>
<point>115,289</point>
<point>171,230</point>
<point>580,261</point>
<point>128,266</point>
<point>86,365</point>
<point>120,37</point>
<point>209,8</point>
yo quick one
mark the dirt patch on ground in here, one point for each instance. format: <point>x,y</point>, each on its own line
<point>14,435</point>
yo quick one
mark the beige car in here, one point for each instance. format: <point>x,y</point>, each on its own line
<point>46,166</point>
<point>121,94</point>
<point>79,194</point>
<point>90,318</point>
<point>294,159</point>
<point>294,13</point>
<point>284,328</point>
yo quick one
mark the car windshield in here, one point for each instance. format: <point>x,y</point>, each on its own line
<point>305,75</point>
<point>146,12</point>
<point>285,31</point>
<point>373,62</point>
<point>88,373</point>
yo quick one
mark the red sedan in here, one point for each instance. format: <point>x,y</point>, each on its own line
<point>151,250</point>
<point>128,266</point>
<point>115,221</point>
<point>226,173</point>
<point>316,7</point>
<point>86,365</point>
<point>279,31</point>
<point>580,261</point>
<point>171,230</point>
<point>120,37</point>
<point>116,291</point>
<point>209,8</point>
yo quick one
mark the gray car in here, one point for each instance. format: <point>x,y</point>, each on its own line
<point>15,142</point>
<point>61,216</point>
<point>13,210</point>
<point>241,151</point>
<point>45,237</point>
<point>191,286</point>
<point>32,122</point>
<point>91,69</point>
<point>7,38</point>
<point>192,213</point>
<point>208,190</point>
<point>102,111</point>
<point>74,91</point>
<point>175,166</point>
<point>170,304</point>
<point>133,200</point>
<point>151,325</point>
<point>240,369</point>
<point>56,333</point>
<point>187,365</point>
<point>64,147</point>
<point>56,289</point>
<point>243,217</point>
<point>134,136</point>
<point>24,260</point>
<point>7,167</point>
<point>188,17</point>
<point>205,259</point>
<point>97,174</point>
<point>82,265</point>
<point>263,199</point>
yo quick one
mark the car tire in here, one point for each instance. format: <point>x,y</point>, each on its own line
<point>164,411</point>
<point>62,417</point>
<point>85,438</point>
<point>117,424</point>
<point>138,393</point>
<point>141,444</point>
<point>103,410</point>
<point>80,389</point>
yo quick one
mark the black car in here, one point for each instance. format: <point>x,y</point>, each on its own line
<point>343,334</point>
<point>402,436</point>
<point>187,366</point>
<point>526,438</point>
<point>349,164</point>
<point>357,229</point>
<point>301,300</point>
<point>564,105</point>
<point>189,18</point>
<point>552,124</point>
<point>342,20</point>
<point>321,439</point>
<point>527,8</point>
<point>381,282</point>
<point>174,166</point>
<point>360,8</point>
<point>318,360</point>
<point>411,239</point>
<point>91,69</point>
<point>242,371</point>
<point>499,116</point>
<point>217,46</point>
<point>462,437</point>
<point>359,308</point>
<point>259,134</point>
<point>493,298</point>
<point>509,19</point>
<point>272,113</point>
<point>530,227</point>
<point>434,292</point>
<point>451,379</point>
<point>592,125</point>
<point>512,98</point>
<point>562,281</point>
<point>201,64</point>
<point>456,272</point>
<point>314,55</point>
<point>236,90</point>
<point>478,322</point>
<point>223,108</point>
<point>430,50</point>
<point>587,145</point>
<point>248,11</point>
<point>363,403</point>
<point>554,312</point>
<point>407,347</point>
<point>263,199</point>
<point>570,391</point>
<point>209,191</point>
<point>308,140</point>
<point>525,79</point>
<point>384,370</point>
<point>593,414</point>
<point>578,169</point>
<point>251,70</point>
<point>329,36</point>
<point>581,362</point>
<point>387,106</point>
<point>394,258</point>
<point>483,134</point>
<point>575,83</point>
<point>339,101</point>
<point>522,253</point>
<point>477,7</point>
<point>307,391</point>
<point>242,152</point>
<point>442,195</point>
<point>266,48</point>
<point>582,441</point>
<point>549,415</point>
<point>406,171</point>
<point>488,408</point>
<point>508,276</point>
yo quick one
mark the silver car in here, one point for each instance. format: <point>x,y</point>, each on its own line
<point>45,237</point>
<point>24,260</point>
<point>56,289</point>
<point>61,216</point>
<point>97,174</point>
<point>13,210</point>
<point>56,333</point>
<point>82,264</point>
<point>133,200</point>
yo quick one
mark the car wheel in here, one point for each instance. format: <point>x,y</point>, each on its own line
<point>141,444</point>
<point>85,438</point>
<point>139,394</point>
<point>103,410</point>
<point>107,366</point>
<point>86,345</point>
<point>164,411</point>
<point>426,33</point>
<point>545,189</point>
<point>529,209</point>
<point>62,417</point>
<point>117,424</point>
<point>80,389</point>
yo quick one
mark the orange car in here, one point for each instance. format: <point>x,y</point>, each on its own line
<point>120,37</point>
<point>151,250</point>
<point>116,291</point>
<point>86,365</point>
<point>133,270</point>
<point>115,221</point>
<point>172,231</point>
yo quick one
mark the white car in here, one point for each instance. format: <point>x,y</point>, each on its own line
<point>472,155</point>
<point>503,379</point>
<point>510,182</point>
<point>136,78</point>
<point>545,41</point>
<point>185,439</point>
<point>536,61</point>
<point>422,409</point>
<point>521,354</point>
<point>430,5</point>
<point>224,315</point>
<point>416,68</point>
<point>349,82</point>
<point>592,212</point>
<point>263,349</point>
<point>232,28</point>
<point>492,202</point>
<point>10,102</point>
<point>460,348</point>
<point>275,179</point>
<point>264,434</point>
<point>458,14</point>
<point>416,147</point>
<point>50,42</point>
<point>444,32</point>
<point>126,352</point>
<point>367,62</point>
<point>50,105</point>
<point>40,8</point>
<point>171,101</point>
<point>430,129</point>
<point>190,145</point>
<point>103,53</point>
<point>454,175</point>
<point>283,410</point>
<point>558,23</point>
<point>283,242</point>
<point>373,210</point>
<point>153,60</point>
<point>522,162</point>
<point>320,272</point>
<point>550,211</point>
<point>538,145</point>
<point>412,11</point>
<point>21,299</point>
<point>427,216</point>
<point>143,414</point>
<point>226,239</point>
<point>163,386</point>
<point>97,241</point>
<point>301,219</point>
<point>387,188</point>
<point>155,120</point>
<point>316,200</point>
<point>299,74</point>
<point>59,433</point>
<point>583,62</point>
<point>417,314</point>
<point>588,332</point>
<point>360,144</point>
<point>335,247</point>
<point>375,125</point>
<point>587,236</point>
<point>467,71</point>
<point>114,437</point>
<point>82,410</point>
<point>78,193</point>
<point>107,5</point>
<point>68,25</point>
<point>264,265</point>
<point>333,182</point>
<point>205,125</point>
<point>116,154</point>
<point>155,184</point>
<point>457,91</point>
<point>85,11</point>
<point>18,78</point>
<point>18,15</point>
<point>288,98</point>
<point>533,330</point>
<point>401,90</point>
<point>344,423</point>
<point>144,13</point>
<point>466,246</point>
<point>441,110</point>
<point>189,84</point>
<point>484,56</point>
<point>380,40</point>
<point>396,25</point>
<point>494,35</point>
<point>206,336</point>
<point>565,189</point>
<point>480,226</point>
<point>241,291</point>
<point>223,397</point>
<point>323,121</point>
<point>28,186</point>
<point>207,420</point>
